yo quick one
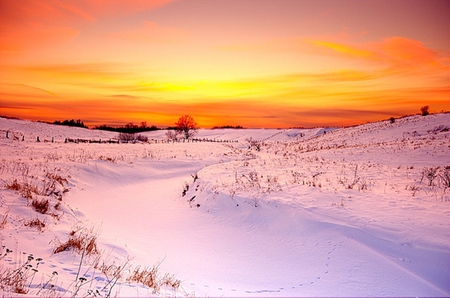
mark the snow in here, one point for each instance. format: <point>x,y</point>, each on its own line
<point>314,212</point>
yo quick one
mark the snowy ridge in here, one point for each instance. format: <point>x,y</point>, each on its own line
<point>351,212</point>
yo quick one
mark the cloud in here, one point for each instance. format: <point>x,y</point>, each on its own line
<point>344,49</point>
<point>396,52</point>
<point>30,25</point>
<point>25,88</point>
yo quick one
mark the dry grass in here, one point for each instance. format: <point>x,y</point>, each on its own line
<point>4,220</point>
<point>57,178</point>
<point>13,281</point>
<point>25,189</point>
<point>81,240</point>
<point>40,206</point>
<point>35,223</point>
<point>150,277</point>
<point>19,280</point>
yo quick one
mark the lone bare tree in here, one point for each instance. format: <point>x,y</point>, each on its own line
<point>186,125</point>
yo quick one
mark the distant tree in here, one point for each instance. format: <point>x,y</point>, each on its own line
<point>172,135</point>
<point>73,122</point>
<point>424,110</point>
<point>228,127</point>
<point>392,119</point>
<point>127,137</point>
<point>128,128</point>
<point>186,125</point>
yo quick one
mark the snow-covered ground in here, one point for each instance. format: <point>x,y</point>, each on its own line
<point>360,211</point>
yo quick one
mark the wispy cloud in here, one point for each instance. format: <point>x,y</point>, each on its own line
<point>28,25</point>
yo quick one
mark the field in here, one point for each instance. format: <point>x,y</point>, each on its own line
<point>358,211</point>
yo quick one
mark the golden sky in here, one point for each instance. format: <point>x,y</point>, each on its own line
<point>255,63</point>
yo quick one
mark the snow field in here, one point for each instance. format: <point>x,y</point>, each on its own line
<point>345,213</point>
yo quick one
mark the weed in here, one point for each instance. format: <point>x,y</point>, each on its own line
<point>413,188</point>
<point>4,221</point>
<point>40,206</point>
<point>150,277</point>
<point>19,280</point>
<point>430,173</point>
<point>350,184</point>
<point>185,189</point>
<point>25,189</point>
<point>81,240</point>
<point>445,177</point>
<point>56,177</point>
<point>195,177</point>
<point>35,223</point>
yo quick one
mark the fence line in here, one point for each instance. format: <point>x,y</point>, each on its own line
<point>13,135</point>
<point>151,141</point>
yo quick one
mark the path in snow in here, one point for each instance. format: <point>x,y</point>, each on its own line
<point>246,253</point>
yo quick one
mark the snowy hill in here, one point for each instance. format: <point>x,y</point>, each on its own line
<point>359,211</point>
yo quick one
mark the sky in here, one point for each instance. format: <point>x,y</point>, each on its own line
<point>254,63</point>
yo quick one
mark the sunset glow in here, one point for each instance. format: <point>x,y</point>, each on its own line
<point>255,63</point>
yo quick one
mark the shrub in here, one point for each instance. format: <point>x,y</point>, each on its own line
<point>126,137</point>
<point>172,135</point>
<point>142,138</point>
<point>430,173</point>
<point>445,177</point>
<point>424,110</point>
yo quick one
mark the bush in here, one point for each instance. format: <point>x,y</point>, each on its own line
<point>126,137</point>
<point>424,110</point>
<point>430,173</point>
<point>445,177</point>
<point>172,135</point>
<point>142,138</point>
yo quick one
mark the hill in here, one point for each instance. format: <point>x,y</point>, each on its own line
<point>358,211</point>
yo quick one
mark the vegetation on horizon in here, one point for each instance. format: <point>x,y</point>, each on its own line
<point>73,122</point>
<point>228,127</point>
<point>129,128</point>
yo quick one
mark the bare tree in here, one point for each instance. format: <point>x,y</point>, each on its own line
<point>172,135</point>
<point>186,125</point>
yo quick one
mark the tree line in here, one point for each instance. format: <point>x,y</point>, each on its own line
<point>185,127</point>
<point>129,128</point>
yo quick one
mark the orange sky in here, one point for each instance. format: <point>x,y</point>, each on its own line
<point>255,63</point>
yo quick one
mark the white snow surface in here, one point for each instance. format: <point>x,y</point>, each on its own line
<point>350,212</point>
